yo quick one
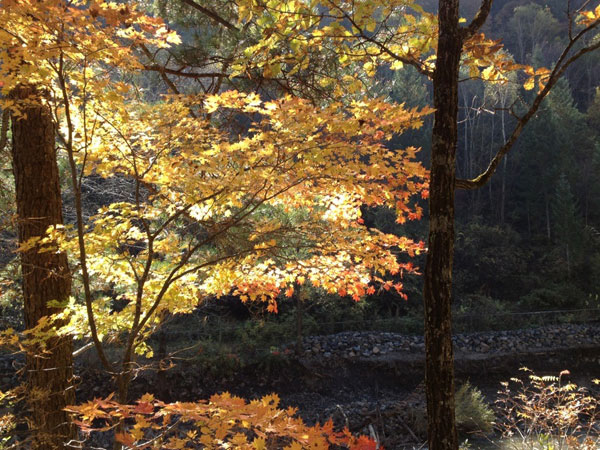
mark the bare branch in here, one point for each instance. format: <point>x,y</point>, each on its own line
<point>478,20</point>
<point>181,73</point>
<point>560,67</point>
<point>164,76</point>
<point>213,15</point>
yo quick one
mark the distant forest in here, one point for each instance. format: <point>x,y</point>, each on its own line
<point>531,238</point>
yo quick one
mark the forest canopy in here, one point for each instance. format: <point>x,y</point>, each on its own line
<point>193,150</point>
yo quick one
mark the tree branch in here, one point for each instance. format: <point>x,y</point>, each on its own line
<point>163,75</point>
<point>181,73</point>
<point>560,67</point>
<point>79,222</point>
<point>416,63</point>
<point>479,20</point>
<point>213,15</point>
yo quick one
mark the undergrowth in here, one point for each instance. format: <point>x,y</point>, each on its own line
<point>548,413</point>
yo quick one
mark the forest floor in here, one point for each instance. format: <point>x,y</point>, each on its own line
<point>360,379</point>
<point>379,389</point>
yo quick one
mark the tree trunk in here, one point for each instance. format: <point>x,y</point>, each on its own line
<point>490,155</point>
<point>503,191</point>
<point>46,275</point>
<point>438,270</point>
<point>548,228</point>
<point>299,316</point>
<point>568,263</point>
<point>164,389</point>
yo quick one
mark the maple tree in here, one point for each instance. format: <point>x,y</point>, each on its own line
<point>210,211</point>
<point>225,228</point>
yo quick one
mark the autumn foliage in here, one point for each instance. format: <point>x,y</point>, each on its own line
<point>213,208</point>
<point>224,421</point>
<point>229,192</point>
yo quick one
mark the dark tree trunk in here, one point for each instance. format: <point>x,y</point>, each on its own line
<point>503,190</point>
<point>46,275</point>
<point>299,317</point>
<point>548,228</point>
<point>438,271</point>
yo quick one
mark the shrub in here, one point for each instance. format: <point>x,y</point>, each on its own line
<point>552,296</point>
<point>548,413</point>
<point>478,313</point>
<point>473,414</point>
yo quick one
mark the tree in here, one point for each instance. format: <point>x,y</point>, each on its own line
<point>209,211</point>
<point>46,275</point>
<point>367,34</point>
<point>566,226</point>
<point>31,55</point>
<point>531,27</point>
<point>587,23</point>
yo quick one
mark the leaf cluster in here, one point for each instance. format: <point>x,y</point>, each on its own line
<point>224,421</point>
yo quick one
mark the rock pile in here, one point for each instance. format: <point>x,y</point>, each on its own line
<point>363,344</point>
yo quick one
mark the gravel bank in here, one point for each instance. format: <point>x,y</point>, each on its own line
<point>360,344</point>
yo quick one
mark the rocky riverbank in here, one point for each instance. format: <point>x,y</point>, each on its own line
<point>368,381</point>
<point>369,344</point>
<point>361,344</point>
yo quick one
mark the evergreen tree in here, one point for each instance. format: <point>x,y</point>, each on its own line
<point>566,223</point>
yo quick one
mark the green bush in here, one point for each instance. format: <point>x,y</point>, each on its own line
<point>217,360</point>
<point>473,414</point>
<point>553,296</point>
<point>479,313</point>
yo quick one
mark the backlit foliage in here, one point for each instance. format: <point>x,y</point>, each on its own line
<point>548,412</point>
<point>349,41</point>
<point>213,211</point>
<point>222,422</point>
<point>215,208</point>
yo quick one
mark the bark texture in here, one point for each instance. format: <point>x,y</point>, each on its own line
<point>46,274</point>
<point>438,271</point>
